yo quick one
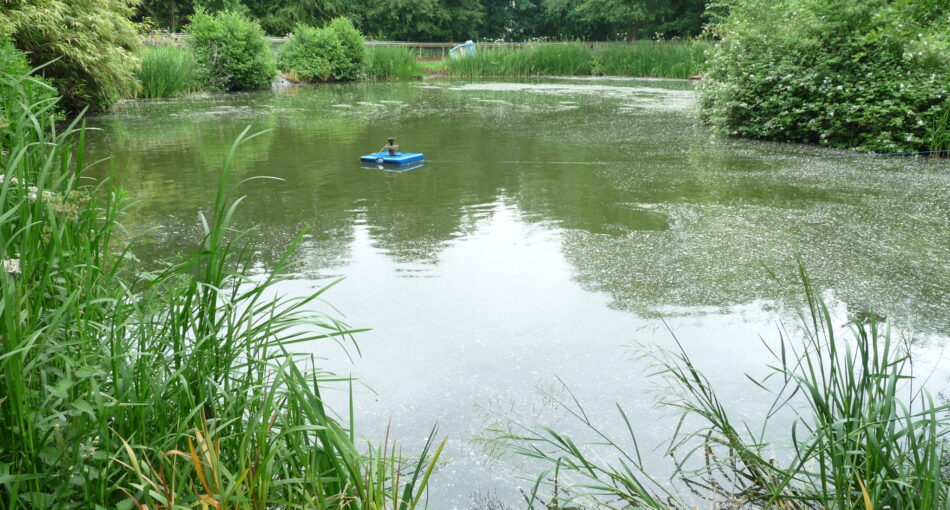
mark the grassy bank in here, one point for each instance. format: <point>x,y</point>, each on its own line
<point>679,59</point>
<point>171,386</point>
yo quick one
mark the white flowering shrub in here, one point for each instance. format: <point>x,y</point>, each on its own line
<point>866,74</point>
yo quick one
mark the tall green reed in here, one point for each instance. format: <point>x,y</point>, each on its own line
<point>389,62</point>
<point>163,387</point>
<point>938,132</point>
<point>863,436</point>
<point>565,59</point>
<point>662,59</point>
<point>673,59</point>
<point>165,71</point>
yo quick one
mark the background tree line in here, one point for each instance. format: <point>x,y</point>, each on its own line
<point>455,20</point>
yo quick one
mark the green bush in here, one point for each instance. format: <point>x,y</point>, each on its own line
<point>311,54</point>
<point>386,62</point>
<point>868,74</point>
<point>166,71</point>
<point>231,52</point>
<point>335,52</point>
<point>354,49</point>
<point>87,48</point>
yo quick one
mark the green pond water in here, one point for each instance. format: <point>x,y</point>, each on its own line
<point>554,227</point>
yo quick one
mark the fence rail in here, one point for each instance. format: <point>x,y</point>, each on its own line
<point>422,49</point>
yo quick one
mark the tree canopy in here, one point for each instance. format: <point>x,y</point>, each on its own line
<point>456,20</point>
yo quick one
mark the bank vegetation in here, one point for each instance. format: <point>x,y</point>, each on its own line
<point>172,385</point>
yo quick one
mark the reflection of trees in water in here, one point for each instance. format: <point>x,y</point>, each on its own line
<point>667,219</point>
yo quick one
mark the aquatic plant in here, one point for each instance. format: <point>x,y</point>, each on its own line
<point>667,59</point>
<point>387,62</point>
<point>168,386</point>
<point>938,132</point>
<point>558,59</point>
<point>31,89</point>
<point>165,71</point>
<point>662,59</point>
<point>863,435</point>
<point>551,59</point>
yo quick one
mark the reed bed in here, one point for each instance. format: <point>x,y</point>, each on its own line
<point>864,435</point>
<point>535,60</point>
<point>652,58</point>
<point>171,386</point>
<point>677,59</point>
<point>938,133</point>
<point>392,62</point>
<point>165,71</point>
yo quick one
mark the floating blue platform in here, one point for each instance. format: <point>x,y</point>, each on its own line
<point>394,168</point>
<point>401,158</point>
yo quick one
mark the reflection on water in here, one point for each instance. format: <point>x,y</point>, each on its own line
<point>552,223</point>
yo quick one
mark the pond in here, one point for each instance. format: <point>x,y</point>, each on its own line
<point>556,229</point>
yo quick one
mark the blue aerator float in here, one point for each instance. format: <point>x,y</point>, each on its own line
<point>390,155</point>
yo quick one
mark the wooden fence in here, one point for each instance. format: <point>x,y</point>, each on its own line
<point>424,50</point>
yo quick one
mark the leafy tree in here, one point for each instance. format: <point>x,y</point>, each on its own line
<point>625,16</point>
<point>419,20</point>
<point>166,14</point>
<point>88,44</point>
<point>456,20</point>
<point>461,19</point>
<point>279,17</point>
<point>231,52</point>
<point>565,20</point>
<point>631,19</point>
<point>513,20</point>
